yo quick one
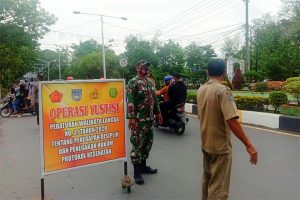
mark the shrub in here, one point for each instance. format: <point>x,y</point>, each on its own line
<point>192,97</point>
<point>294,89</point>
<point>227,83</point>
<point>289,80</point>
<point>238,79</point>
<point>260,87</point>
<point>253,75</point>
<point>275,85</point>
<point>250,102</point>
<point>277,99</point>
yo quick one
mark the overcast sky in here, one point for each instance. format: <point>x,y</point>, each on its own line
<point>184,21</point>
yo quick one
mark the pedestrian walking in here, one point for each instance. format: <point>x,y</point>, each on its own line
<point>218,115</point>
<point>141,108</point>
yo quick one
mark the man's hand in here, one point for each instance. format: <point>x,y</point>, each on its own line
<point>132,125</point>
<point>159,118</point>
<point>238,131</point>
<point>253,154</point>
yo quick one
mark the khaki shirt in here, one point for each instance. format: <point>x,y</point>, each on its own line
<point>215,105</point>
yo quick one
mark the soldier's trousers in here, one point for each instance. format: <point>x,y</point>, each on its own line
<point>141,140</point>
<point>216,176</point>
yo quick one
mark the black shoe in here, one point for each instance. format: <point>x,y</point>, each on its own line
<point>146,169</point>
<point>137,174</point>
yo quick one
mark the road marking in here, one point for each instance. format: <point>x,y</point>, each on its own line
<point>262,129</point>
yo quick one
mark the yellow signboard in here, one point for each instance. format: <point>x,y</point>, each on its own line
<point>82,123</point>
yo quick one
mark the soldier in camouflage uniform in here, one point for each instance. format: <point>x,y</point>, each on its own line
<point>142,105</point>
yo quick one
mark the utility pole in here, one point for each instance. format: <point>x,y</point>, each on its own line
<point>247,36</point>
<point>59,67</point>
<point>256,60</point>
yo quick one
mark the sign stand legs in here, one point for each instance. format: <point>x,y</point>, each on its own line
<point>42,189</point>
<point>126,173</point>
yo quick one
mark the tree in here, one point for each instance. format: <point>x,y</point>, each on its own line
<point>197,58</point>
<point>28,15</point>
<point>85,48</point>
<point>171,58</point>
<point>22,23</point>
<point>232,47</point>
<point>16,47</point>
<point>277,47</point>
<point>87,61</point>
<point>137,49</point>
<point>53,57</point>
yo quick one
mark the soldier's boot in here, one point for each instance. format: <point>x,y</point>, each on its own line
<point>137,174</point>
<point>146,169</point>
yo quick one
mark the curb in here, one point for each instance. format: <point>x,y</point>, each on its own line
<point>269,120</point>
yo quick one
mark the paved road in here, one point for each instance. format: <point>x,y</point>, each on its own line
<point>178,158</point>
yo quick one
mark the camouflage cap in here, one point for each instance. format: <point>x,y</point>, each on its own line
<point>143,63</point>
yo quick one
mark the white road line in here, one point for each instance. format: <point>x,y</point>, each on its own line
<point>262,129</point>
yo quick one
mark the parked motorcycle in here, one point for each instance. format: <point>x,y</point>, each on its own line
<point>176,120</point>
<point>7,109</point>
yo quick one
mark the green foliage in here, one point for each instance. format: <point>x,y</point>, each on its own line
<point>22,24</point>
<point>227,83</point>
<point>278,98</point>
<point>232,47</point>
<point>137,49</point>
<point>27,15</point>
<point>293,87</point>
<point>290,110</point>
<point>276,46</point>
<point>85,48</point>
<point>171,58</point>
<point>250,102</point>
<point>87,62</point>
<point>289,80</point>
<point>197,58</point>
<point>52,57</point>
<point>260,87</point>
<point>192,97</point>
<point>17,52</point>
<point>252,75</point>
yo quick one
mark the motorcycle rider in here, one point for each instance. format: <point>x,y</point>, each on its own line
<point>21,94</point>
<point>165,105</point>
<point>177,91</point>
<point>164,91</point>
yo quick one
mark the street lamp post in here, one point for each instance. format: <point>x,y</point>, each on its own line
<point>59,66</point>
<point>102,34</point>
<point>48,65</point>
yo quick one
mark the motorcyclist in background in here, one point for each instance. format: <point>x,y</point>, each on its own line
<point>177,91</point>
<point>21,94</point>
<point>164,91</point>
<point>165,105</point>
<point>177,94</point>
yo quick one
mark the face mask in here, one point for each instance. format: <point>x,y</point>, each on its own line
<point>143,72</point>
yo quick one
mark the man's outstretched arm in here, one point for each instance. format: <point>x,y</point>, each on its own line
<point>238,131</point>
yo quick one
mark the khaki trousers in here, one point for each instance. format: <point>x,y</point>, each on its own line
<point>216,176</point>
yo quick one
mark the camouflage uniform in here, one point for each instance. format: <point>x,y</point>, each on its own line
<point>142,105</point>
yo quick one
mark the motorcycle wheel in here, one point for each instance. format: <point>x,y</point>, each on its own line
<point>6,112</point>
<point>180,128</point>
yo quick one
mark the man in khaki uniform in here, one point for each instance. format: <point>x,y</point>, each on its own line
<point>218,114</point>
